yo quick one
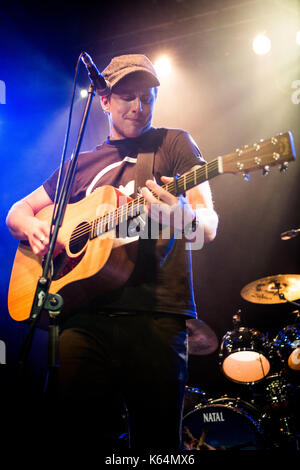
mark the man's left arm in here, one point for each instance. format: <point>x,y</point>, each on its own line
<point>200,200</point>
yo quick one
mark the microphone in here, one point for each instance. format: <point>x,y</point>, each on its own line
<point>290,234</point>
<point>96,78</point>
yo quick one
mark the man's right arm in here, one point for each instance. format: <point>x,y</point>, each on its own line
<point>23,224</point>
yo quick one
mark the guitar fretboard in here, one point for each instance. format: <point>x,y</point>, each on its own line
<point>125,212</point>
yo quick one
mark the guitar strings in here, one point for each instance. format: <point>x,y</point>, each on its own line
<point>134,206</point>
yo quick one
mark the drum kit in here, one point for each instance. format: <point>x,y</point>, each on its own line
<point>268,368</point>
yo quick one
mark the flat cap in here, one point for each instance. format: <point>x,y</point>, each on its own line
<point>121,66</point>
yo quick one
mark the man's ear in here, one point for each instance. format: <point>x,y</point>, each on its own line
<point>105,103</point>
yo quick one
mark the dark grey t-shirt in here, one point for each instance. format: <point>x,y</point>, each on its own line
<point>162,279</point>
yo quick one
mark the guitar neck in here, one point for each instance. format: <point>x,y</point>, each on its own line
<point>194,177</point>
<point>260,156</point>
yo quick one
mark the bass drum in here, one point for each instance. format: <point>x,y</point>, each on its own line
<point>223,424</point>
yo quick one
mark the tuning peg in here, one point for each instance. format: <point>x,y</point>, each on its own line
<point>266,170</point>
<point>284,167</point>
<point>246,176</point>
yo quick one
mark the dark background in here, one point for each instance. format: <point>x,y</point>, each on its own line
<point>220,91</point>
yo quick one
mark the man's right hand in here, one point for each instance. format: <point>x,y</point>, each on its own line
<point>23,224</point>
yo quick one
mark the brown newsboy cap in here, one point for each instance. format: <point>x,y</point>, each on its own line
<point>121,66</point>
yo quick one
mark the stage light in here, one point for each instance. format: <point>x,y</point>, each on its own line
<point>261,44</point>
<point>298,37</point>
<point>163,66</point>
<point>83,93</point>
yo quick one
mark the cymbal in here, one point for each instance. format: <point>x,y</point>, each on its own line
<point>201,338</point>
<point>267,290</point>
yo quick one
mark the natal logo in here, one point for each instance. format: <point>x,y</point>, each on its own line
<point>212,417</point>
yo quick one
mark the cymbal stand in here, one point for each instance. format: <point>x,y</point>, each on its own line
<point>282,296</point>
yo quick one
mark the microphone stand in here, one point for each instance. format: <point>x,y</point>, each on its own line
<point>43,299</point>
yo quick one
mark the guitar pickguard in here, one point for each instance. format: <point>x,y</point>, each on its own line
<point>63,264</point>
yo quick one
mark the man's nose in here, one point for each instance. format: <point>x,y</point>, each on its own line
<point>137,105</point>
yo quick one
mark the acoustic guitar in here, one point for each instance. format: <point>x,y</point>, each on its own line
<point>96,259</point>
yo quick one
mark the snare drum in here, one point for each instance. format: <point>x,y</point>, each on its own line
<point>287,345</point>
<point>245,355</point>
<point>223,424</point>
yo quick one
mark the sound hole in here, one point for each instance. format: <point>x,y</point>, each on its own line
<point>79,237</point>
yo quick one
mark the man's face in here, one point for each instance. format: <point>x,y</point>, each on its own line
<point>130,108</point>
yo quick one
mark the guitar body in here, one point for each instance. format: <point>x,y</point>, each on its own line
<point>85,268</point>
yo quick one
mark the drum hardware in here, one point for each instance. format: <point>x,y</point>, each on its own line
<point>244,354</point>
<point>277,392</point>
<point>287,346</point>
<point>274,396</point>
<point>280,392</point>
<point>246,357</point>
<point>287,428</point>
<point>193,397</point>
<point>280,427</point>
<point>202,340</point>
<point>279,431</point>
<point>292,233</point>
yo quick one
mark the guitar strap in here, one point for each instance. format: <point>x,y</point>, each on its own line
<point>143,170</point>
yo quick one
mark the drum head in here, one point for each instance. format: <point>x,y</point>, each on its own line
<point>222,425</point>
<point>294,359</point>
<point>244,355</point>
<point>246,366</point>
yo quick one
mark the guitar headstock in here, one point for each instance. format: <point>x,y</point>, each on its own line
<point>261,155</point>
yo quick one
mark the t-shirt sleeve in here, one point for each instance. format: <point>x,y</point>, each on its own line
<point>50,184</point>
<point>183,152</point>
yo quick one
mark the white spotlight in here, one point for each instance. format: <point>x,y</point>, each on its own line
<point>83,93</point>
<point>163,66</point>
<point>261,44</point>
